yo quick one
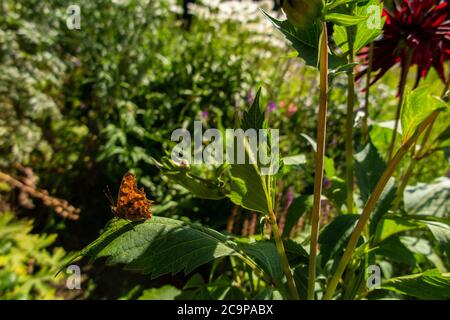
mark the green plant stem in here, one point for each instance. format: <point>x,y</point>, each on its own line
<point>398,112</point>
<point>282,253</point>
<point>365,125</point>
<point>349,124</point>
<point>370,205</point>
<point>412,164</point>
<point>318,178</point>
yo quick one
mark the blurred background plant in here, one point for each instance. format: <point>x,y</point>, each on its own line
<point>81,107</point>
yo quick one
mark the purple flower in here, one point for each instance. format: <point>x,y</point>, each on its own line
<point>271,106</point>
<point>250,97</point>
<point>204,114</point>
<point>327,183</point>
<point>289,197</point>
<point>448,174</point>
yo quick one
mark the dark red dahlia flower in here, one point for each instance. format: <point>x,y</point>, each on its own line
<point>416,32</point>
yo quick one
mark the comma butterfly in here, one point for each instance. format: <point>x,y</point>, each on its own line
<point>132,203</point>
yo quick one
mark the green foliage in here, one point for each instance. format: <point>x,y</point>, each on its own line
<point>28,261</point>
<point>428,285</point>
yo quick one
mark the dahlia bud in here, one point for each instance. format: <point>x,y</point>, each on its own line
<point>302,12</point>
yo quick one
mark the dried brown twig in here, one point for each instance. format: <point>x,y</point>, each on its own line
<point>61,206</point>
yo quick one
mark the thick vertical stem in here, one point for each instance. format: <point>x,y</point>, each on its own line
<point>370,205</point>
<point>318,178</point>
<point>282,253</point>
<point>349,125</point>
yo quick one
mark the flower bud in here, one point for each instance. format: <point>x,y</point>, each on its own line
<point>302,12</point>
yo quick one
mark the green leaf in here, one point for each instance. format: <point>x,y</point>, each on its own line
<point>337,3</point>
<point>428,285</point>
<point>199,187</point>
<point>167,292</point>
<point>417,106</point>
<point>369,168</point>
<point>297,208</point>
<point>160,245</point>
<point>428,199</point>
<point>301,280</point>
<point>395,250</point>
<point>246,188</point>
<point>393,225</point>
<point>441,232</point>
<point>296,254</point>
<point>335,236</point>
<point>266,255</point>
<point>297,160</point>
<point>366,30</point>
<point>344,19</point>
<point>253,118</point>
<point>305,41</point>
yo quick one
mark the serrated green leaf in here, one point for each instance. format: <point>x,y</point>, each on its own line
<point>160,245</point>
<point>417,106</point>
<point>428,199</point>
<point>305,41</point>
<point>428,285</point>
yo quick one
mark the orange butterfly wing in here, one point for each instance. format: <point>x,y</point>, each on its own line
<point>132,203</point>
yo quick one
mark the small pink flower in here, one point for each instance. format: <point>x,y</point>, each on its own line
<point>292,108</point>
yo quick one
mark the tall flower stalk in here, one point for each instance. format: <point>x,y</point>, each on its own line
<point>349,122</point>
<point>371,202</point>
<point>318,178</point>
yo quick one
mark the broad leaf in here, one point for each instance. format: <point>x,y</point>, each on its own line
<point>335,236</point>
<point>417,106</point>
<point>160,245</point>
<point>306,42</point>
<point>428,199</point>
<point>266,255</point>
<point>297,208</point>
<point>429,285</point>
<point>246,188</point>
<point>369,168</point>
<point>393,225</point>
<point>395,250</point>
<point>366,30</point>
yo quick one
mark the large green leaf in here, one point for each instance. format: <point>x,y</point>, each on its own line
<point>369,168</point>
<point>335,236</point>
<point>160,245</point>
<point>198,186</point>
<point>366,30</point>
<point>395,250</point>
<point>245,184</point>
<point>417,106</point>
<point>428,285</point>
<point>428,199</point>
<point>306,42</point>
<point>441,232</point>
<point>266,255</point>
<point>389,226</point>
<point>246,188</point>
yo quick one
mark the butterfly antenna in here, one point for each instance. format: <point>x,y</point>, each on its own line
<point>108,195</point>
